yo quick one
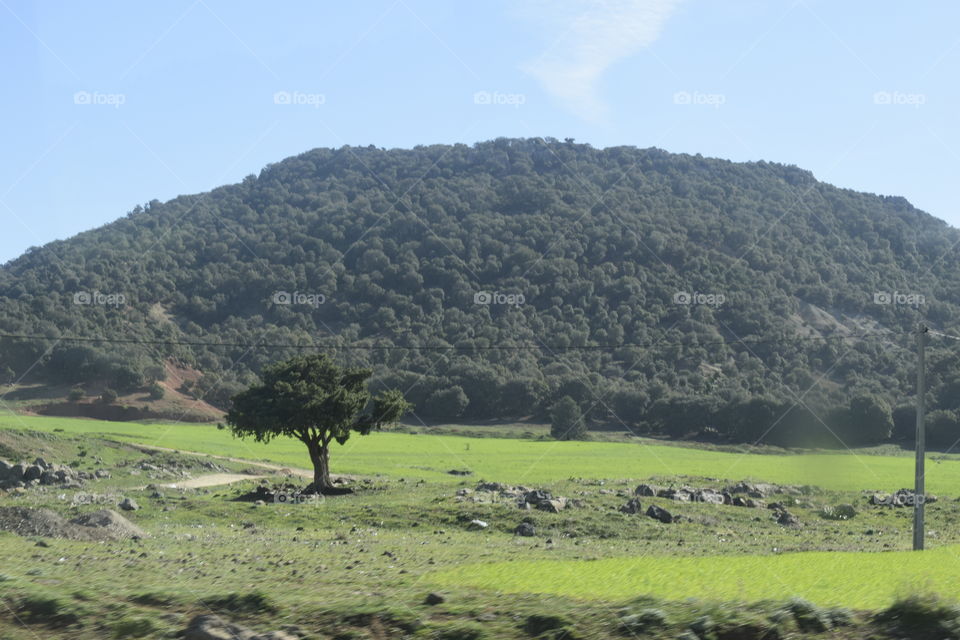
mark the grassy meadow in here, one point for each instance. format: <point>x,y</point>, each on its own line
<point>360,566</point>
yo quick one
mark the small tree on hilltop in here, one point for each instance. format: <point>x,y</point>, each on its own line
<point>566,420</point>
<point>312,399</point>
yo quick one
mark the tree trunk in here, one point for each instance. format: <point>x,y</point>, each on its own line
<point>321,469</point>
<point>322,484</point>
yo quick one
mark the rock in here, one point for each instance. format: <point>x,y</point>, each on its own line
<point>537,496</point>
<point>740,501</point>
<point>464,492</point>
<point>111,524</point>
<point>460,472</point>
<point>478,525</point>
<point>434,599</point>
<point>646,490</point>
<point>43,464</point>
<point>786,518</point>
<point>709,496</point>
<point>490,486</point>
<point>129,504</point>
<point>48,477</point>
<point>33,472</point>
<point>101,473</point>
<point>659,513</point>
<point>525,529</point>
<point>212,627</point>
<point>632,506</point>
<point>16,473</point>
<point>553,506</point>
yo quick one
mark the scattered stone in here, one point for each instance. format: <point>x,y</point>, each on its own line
<point>433,599</point>
<point>464,492</point>
<point>632,506</point>
<point>525,529</point>
<point>212,627</point>
<point>460,472</point>
<point>129,504</point>
<point>661,514</point>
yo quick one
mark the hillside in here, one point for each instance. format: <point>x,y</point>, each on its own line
<point>660,291</point>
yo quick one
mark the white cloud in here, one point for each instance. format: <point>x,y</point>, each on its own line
<point>587,37</point>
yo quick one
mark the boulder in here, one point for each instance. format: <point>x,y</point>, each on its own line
<point>128,504</point>
<point>478,525</point>
<point>434,598</point>
<point>101,474</point>
<point>525,529</point>
<point>786,518</point>
<point>632,506</point>
<point>659,513</point>
<point>33,472</point>
<point>553,506</point>
<point>646,490</point>
<point>43,464</point>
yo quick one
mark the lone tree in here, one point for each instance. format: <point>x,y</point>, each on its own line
<point>312,399</point>
<point>566,421</point>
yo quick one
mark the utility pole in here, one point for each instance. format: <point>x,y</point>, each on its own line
<point>919,494</point>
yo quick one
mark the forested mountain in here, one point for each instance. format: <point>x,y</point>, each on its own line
<point>659,291</point>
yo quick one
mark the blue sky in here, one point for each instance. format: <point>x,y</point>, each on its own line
<point>107,105</point>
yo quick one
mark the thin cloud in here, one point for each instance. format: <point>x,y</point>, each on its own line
<point>587,37</point>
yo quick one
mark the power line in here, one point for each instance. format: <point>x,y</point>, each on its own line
<point>521,347</point>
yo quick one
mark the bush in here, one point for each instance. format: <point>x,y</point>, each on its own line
<point>923,614</point>
<point>134,628</point>
<point>76,394</point>
<point>109,396</point>
<point>808,616</point>
<point>249,603</point>
<point>539,623</point>
<point>461,631</point>
<point>157,391</point>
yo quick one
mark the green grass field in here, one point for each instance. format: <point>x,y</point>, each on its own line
<point>528,461</point>
<point>359,566</point>
<point>848,579</point>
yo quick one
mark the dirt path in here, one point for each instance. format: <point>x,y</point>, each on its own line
<point>216,479</point>
<point>305,473</point>
<point>211,480</point>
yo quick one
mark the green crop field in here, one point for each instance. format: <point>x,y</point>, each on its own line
<point>529,461</point>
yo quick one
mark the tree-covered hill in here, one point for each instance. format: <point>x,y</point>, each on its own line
<point>659,291</point>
